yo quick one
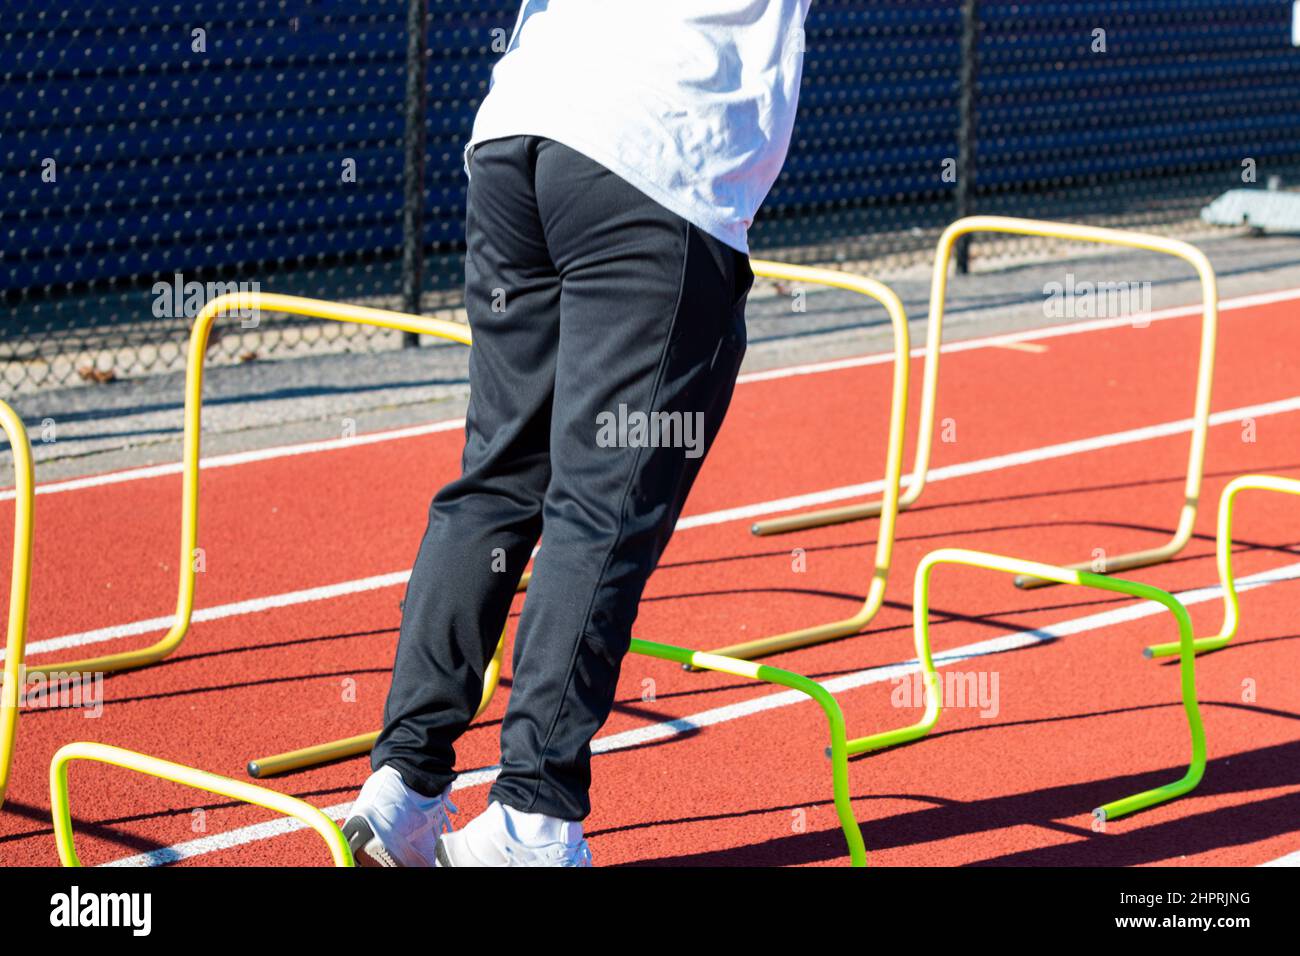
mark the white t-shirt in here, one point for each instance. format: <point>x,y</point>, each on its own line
<point>691,101</point>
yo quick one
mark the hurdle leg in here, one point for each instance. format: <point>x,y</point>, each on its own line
<point>889,505</point>
<point>1223,553</point>
<point>1133,559</point>
<point>19,589</point>
<point>978,559</point>
<point>826,517</point>
<point>261,767</point>
<point>61,809</point>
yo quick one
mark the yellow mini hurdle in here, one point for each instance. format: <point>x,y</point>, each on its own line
<point>1223,551</point>
<point>19,589</point>
<point>244,303</point>
<point>61,809</point>
<point>930,382</point>
<point>993,562</point>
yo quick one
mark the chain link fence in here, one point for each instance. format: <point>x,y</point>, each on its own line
<point>149,151</point>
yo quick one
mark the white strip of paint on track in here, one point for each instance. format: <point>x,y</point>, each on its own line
<point>727,713</point>
<point>373,438</point>
<point>1291,859</point>
<point>235,609</point>
<point>775,506</point>
<point>242,458</point>
<point>995,463</point>
<point>1028,335</point>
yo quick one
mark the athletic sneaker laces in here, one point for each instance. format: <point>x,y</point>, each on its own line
<point>501,836</point>
<point>392,825</point>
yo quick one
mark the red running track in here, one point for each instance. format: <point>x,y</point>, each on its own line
<point>1078,721</point>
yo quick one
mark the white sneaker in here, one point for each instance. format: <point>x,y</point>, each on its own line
<point>392,825</point>
<point>503,836</point>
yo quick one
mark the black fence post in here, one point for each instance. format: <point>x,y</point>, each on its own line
<point>966,130</point>
<point>417,45</point>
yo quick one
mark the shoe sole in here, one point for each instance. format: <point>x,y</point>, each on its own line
<point>365,846</point>
<point>440,852</point>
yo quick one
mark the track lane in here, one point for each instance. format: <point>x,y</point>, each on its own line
<point>715,582</point>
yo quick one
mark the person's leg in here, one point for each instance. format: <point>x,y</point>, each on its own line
<point>652,324</point>
<point>483,526</point>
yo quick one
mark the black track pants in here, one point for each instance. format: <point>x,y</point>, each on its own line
<point>608,333</point>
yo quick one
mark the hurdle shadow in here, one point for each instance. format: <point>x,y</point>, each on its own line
<point>947,534</point>
<point>717,683</point>
<point>1089,489</point>
<point>628,707</point>
<point>1236,645</point>
<point>1127,843</point>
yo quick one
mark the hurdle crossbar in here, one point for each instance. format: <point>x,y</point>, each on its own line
<point>1223,550</point>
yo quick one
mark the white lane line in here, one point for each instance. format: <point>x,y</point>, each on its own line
<point>393,579</point>
<point>372,438</point>
<point>666,729</point>
<point>995,463</point>
<point>1291,859</point>
<point>1029,335</point>
<point>235,609</point>
<point>241,458</point>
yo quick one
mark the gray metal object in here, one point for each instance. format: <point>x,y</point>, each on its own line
<point>1268,210</point>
